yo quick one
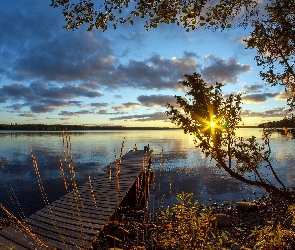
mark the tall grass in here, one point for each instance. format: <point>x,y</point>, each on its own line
<point>68,176</point>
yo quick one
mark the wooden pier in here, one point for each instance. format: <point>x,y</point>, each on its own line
<point>74,220</point>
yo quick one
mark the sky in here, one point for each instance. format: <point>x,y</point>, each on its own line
<point>121,77</point>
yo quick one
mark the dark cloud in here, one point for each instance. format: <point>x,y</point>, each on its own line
<point>76,113</point>
<point>99,104</point>
<point>276,112</point>
<point>19,23</point>
<point>155,100</point>
<point>46,97</point>
<point>29,115</point>
<point>3,98</point>
<point>220,70</point>
<point>190,54</point>
<point>155,72</point>
<point>68,91</point>
<point>64,60</point>
<point>128,105</point>
<point>158,116</point>
<point>16,91</point>
<point>257,98</point>
<point>254,88</point>
<point>15,107</point>
<point>75,103</point>
<point>102,112</point>
<point>42,108</point>
<point>35,46</point>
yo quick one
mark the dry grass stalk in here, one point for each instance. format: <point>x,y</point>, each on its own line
<point>24,227</point>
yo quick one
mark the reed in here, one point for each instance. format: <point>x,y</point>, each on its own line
<point>145,213</point>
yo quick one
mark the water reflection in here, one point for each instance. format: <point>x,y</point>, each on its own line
<point>205,183</point>
<point>183,167</point>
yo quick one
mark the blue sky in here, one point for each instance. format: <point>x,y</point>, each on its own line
<point>118,77</point>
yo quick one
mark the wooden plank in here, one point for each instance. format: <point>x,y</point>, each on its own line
<point>87,201</point>
<point>88,211</point>
<point>63,240</point>
<point>67,232</point>
<point>60,214</point>
<point>68,220</point>
<point>6,244</point>
<point>87,206</point>
<point>61,225</point>
<point>81,213</point>
<point>19,237</point>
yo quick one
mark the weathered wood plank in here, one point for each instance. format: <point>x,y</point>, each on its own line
<point>6,244</point>
<point>52,236</point>
<point>64,218</point>
<point>72,230</point>
<point>19,238</point>
<point>80,211</point>
<point>80,214</point>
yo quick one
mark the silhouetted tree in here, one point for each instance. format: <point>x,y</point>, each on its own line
<point>212,118</point>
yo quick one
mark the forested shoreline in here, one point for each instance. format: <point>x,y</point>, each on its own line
<point>61,127</point>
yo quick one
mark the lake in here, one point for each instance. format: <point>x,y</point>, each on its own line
<point>183,167</point>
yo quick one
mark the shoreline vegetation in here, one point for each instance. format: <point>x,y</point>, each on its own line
<point>62,127</point>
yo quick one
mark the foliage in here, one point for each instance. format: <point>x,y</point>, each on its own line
<point>246,160</point>
<point>190,14</point>
<point>274,237</point>
<point>273,38</point>
<point>185,227</point>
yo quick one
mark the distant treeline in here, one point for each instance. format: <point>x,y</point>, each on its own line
<point>288,122</point>
<point>60,127</point>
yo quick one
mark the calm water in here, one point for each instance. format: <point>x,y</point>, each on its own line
<point>184,168</point>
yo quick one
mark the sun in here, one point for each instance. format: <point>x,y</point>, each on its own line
<point>212,124</point>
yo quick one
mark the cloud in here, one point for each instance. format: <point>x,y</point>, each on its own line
<point>158,116</point>
<point>275,112</point>
<point>42,49</point>
<point>283,96</point>
<point>16,91</point>
<point>257,98</point>
<point>27,114</point>
<point>99,104</point>
<point>68,91</point>
<point>128,105</point>
<point>254,88</point>
<point>220,70</point>
<point>155,72</point>
<point>43,108</point>
<point>155,100</point>
<point>76,113</point>
<point>15,106</point>
<point>43,97</point>
<point>102,112</point>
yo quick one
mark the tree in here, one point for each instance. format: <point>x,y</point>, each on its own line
<point>189,13</point>
<point>213,118</point>
<point>274,39</point>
